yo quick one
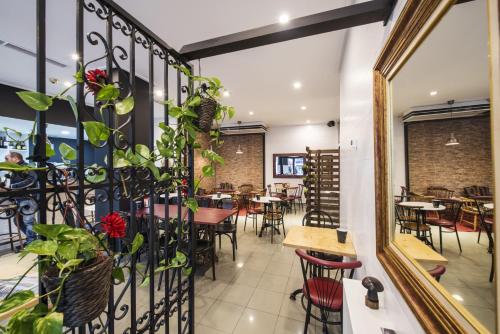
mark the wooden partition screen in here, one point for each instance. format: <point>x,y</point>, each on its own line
<point>322,182</point>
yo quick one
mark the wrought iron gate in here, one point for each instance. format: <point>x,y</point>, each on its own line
<point>131,309</point>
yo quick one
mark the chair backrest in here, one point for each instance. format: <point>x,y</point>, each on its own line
<point>318,218</point>
<point>292,191</point>
<point>324,283</point>
<point>269,190</point>
<point>439,192</point>
<point>406,214</point>
<point>452,211</point>
<point>245,188</point>
<point>301,190</point>
<point>483,212</point>
<point>203,201</point>
<point>279,186</point>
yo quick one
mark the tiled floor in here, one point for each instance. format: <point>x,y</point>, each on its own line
<point>251,295</point>
<point>467,274</point>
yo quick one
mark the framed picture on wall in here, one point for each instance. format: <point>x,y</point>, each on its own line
<point>288,165</point>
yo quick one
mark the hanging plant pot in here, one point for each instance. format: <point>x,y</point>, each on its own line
<point>206,113</point>
<point>85,293</point>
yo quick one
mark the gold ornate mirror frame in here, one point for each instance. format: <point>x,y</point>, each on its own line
<point>432,306</point>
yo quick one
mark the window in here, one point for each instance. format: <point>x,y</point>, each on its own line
<point>288,165</point>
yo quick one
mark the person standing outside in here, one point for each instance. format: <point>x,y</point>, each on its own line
<point>26,205</point>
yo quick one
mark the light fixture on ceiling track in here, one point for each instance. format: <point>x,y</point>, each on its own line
<point>452,140</point>
<point>239,150</point>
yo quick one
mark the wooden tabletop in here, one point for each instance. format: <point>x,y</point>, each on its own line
<point>320,240</point>
<point>417,250</point>
<point>204,216</point>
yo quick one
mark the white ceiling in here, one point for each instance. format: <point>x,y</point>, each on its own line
<point>259,80</point>
<point>452,60</point>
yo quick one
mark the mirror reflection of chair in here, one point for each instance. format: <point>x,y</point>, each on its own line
<point>447,220</point>
<point>487,224</point>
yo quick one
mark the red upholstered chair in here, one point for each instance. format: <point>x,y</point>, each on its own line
<point>437,272</point>
<point>323,286</point>
<point>447,220</point>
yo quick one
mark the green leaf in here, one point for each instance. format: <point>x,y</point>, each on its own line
<point>231,112</point>
<point>51,231</point>
<point>195,101</point>
<point>16,299</point>
<point>40,247</point>
<point>71,264</point>
<point>73,106</point>
<point>79,75</point>
<point>153,168</point>
<point>142,152</point>
<point>67,152</point>
<point>145,282</point>
<point>108,92</point>
<point>137,243</point>
<point>125,106</point>
<point>208,171</point>
<point>164,177</point>
<point>96,174</point>
<point>49,151</point>
<point>192,204</point>
<point>50,324</point>
<point>68,249</point>
<point>97,132</point>
<point>175,112</point>
<point>187,271</point>
<point>22,322</point>
<point>118,274</point>
<point>35,100</point>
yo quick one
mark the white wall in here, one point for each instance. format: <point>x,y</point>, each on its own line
<point>294,139</point>
<point>357,165</point>
<point>398,155</point>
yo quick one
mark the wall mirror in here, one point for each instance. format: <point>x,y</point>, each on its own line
<point>435,177</point>
<point>288,165</point>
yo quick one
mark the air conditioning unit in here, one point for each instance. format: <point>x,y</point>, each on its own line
<point>243,128</point>
<point>462,109</point>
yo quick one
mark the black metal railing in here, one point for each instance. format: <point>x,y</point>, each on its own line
<point>128,310</point>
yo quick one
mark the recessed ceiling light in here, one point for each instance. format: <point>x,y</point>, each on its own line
<point>159,93</point>
<point>297,85</point>
<point>433,93</point>
<point>458,297</point>
<point>308,121</point>
<point>303,108</point>
<point>251,113</point>
<point>226,93</point>
<point>75,56</point>
<point>284,18</point>
<point>65,132</point>
<point>67,83</point>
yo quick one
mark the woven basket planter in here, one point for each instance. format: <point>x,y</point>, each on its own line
<point>206,112</point>
<point>85,293</point>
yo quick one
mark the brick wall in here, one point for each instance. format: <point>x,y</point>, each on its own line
<point>433,163</point>
<point>209,182</point>
<point>246,168</point>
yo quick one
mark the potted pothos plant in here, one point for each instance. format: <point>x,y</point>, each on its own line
<point>76,269</point>
<point>69,255</point>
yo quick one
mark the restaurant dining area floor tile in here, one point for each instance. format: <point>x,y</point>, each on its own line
<point>252,294</point>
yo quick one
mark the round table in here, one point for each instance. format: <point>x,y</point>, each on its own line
<point>170,195</point>
<point>424,206</point>
<point>489,206</point>
<point>216,197</point>
<point>266,199</point>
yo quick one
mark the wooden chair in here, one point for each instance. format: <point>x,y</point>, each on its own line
<point>323,291</point>
<point>229,228</point>
<point>447,220</point>
<point>439,192</point>
<point>469,213</point>
<point>411,220</point>
<point>253,210</point>
<point>487,224</point>
<point>275,217</point>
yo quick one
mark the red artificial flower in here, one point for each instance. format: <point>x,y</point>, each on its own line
<point>95,79</point>
<point>114,225</point>
<point>184,187</point>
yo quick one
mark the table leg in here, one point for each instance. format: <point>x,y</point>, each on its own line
<point>211,233</point>
<point>263,226</point>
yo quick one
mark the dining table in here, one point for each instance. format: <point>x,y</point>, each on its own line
<point>318,239</point>
<point>417,250</point>
<point>422,208</point>
<point>266,201</point>
<point>208,217</point>
<point>489,206</point>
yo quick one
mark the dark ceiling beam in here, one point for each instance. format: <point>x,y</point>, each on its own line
<point>336,19</point>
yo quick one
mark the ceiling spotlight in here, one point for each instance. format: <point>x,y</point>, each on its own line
<point>251,113</point>
<point>433,93</point>
<point>284,18</point>
<point>75,56</point>
<point>65,132</point>
<point>303,108</point>
<point>297,85</point>
<point>226,93</point>
<point>67,83</point>
<point>308,121</point>
<point>159,93</point>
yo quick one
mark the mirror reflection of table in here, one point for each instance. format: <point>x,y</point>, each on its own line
<point>417,250</point>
